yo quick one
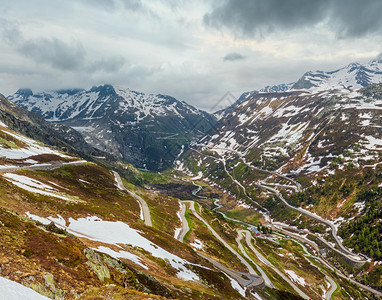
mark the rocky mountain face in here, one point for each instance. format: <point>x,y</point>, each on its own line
<point>277,88</point>
<point>272,128</point>
<point>353,76</point>
<point>69,229</point>
<point>329,141</point>
<point>328,111</point>
<point>35,127</point>
<point>146,130</point>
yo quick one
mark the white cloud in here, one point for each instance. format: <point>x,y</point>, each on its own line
<point>160,46</point>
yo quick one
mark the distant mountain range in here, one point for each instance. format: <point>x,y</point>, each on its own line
<point>302,132</point>
<point>146,130</point>
<point>150,130</point>
<point>352,76</point>
<point>275,123</point>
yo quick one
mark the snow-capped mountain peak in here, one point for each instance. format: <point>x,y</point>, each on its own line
<point>64,105</point>
<point>353,76</point>
<point>144,129</point>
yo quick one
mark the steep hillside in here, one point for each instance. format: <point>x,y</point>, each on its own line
<point>69,229</point>
<point>73,229</point>
<point>35,127</point>
<point>308,159</point>
<point>302,134</point>
<point>299,132</point>
<point>146,130</point>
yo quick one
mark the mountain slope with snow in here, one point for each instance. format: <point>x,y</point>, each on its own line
<point>301,132</point>
<point>275,123</point>
<point>35,127</point>
<point>353,76</point>
<point>146,130</point>
<point>13,290</point>
<point>67,230</point>
<point>328,143</point>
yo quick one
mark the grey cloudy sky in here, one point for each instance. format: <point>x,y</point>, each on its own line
<point>194,50</point>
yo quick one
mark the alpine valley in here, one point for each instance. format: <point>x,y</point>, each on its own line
<point>146,130</point>
<point>109,193</point>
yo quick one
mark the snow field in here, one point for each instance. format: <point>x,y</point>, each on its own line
<point>33,149</point>
<point>11,290</point>
<point>33,185</point>
<point>117,233</point>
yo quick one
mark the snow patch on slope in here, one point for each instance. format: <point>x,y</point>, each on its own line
<point>11,290</point>
<point>295,277</point>
<point>33,185</point>
<point>116,233</point>
<point>32,149</point>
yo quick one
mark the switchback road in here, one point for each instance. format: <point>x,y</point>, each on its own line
<point>142,203</point>
<point>185,227</point>
<point>248,238</point>
<point>259,280</point>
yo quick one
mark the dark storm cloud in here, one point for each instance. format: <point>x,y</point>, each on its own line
<point>353,18</point>
<point>347,18</point>
<point>54,52</point>
<point>233,56</point>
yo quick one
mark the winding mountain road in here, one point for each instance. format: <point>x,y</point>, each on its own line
<point>259,280</point>
<point>248,238</point>
<point>145,211</point>
<point>323,262</point>
<point>333,287</point>
<point>263,274</point>
<point>298,185</point>
<point>298,239</point>
<point>185,227</point>
<point>297,188</point>
<point>246,280</point>
<point>349,254</point>
<point>215,234</point>
<point>232,178</point>
<point>267,281</point>
<point>240,277</point>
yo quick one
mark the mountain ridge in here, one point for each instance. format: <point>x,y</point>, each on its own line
<point>352,76</point>
<point>34,126</point>
<point>121,121</point>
